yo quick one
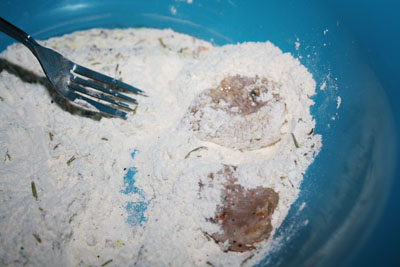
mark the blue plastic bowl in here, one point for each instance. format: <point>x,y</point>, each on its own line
<point>347,187</point>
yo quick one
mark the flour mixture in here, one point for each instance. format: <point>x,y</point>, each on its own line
<point>202,175</point>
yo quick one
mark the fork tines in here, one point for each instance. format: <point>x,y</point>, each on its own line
<point>102,91</point>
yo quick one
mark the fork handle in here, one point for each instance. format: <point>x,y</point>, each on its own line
<point>18,34</point>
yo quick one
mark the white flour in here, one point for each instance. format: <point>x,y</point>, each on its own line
<point>82,216</point>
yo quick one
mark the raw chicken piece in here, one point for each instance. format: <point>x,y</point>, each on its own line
<point>241,113</point>
<point>245,214</point>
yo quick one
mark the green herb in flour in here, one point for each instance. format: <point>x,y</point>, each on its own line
<point>34,192</point>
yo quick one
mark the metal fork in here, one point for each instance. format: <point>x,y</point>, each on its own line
<point>76,83</point>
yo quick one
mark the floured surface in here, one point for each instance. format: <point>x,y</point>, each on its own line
<point>77,163</point>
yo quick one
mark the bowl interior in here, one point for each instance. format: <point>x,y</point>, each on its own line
<point>343,188</point>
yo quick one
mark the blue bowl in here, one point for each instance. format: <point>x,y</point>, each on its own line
<point>349,48</point>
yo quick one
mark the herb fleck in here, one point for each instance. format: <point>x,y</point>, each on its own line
<point>71,160</point>
<point>55,147</point>
<point>104,139</point>
<point>162,42</point>
<point>295,141</point>
<point>1,99</point>
<point>182,49</point>
<point>51,136</point>
<point>194,150</point>
<point>37,237</point>
<point>7,157</point>
<point>134,110</point>
<point>291,183</point>
<point>107,262</point>
<point>34,192</point>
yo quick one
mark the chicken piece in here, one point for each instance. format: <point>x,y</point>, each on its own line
<point>241,113</point>
<point>245,214</point>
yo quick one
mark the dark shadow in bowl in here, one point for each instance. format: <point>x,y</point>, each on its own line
<point>30,77</point>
